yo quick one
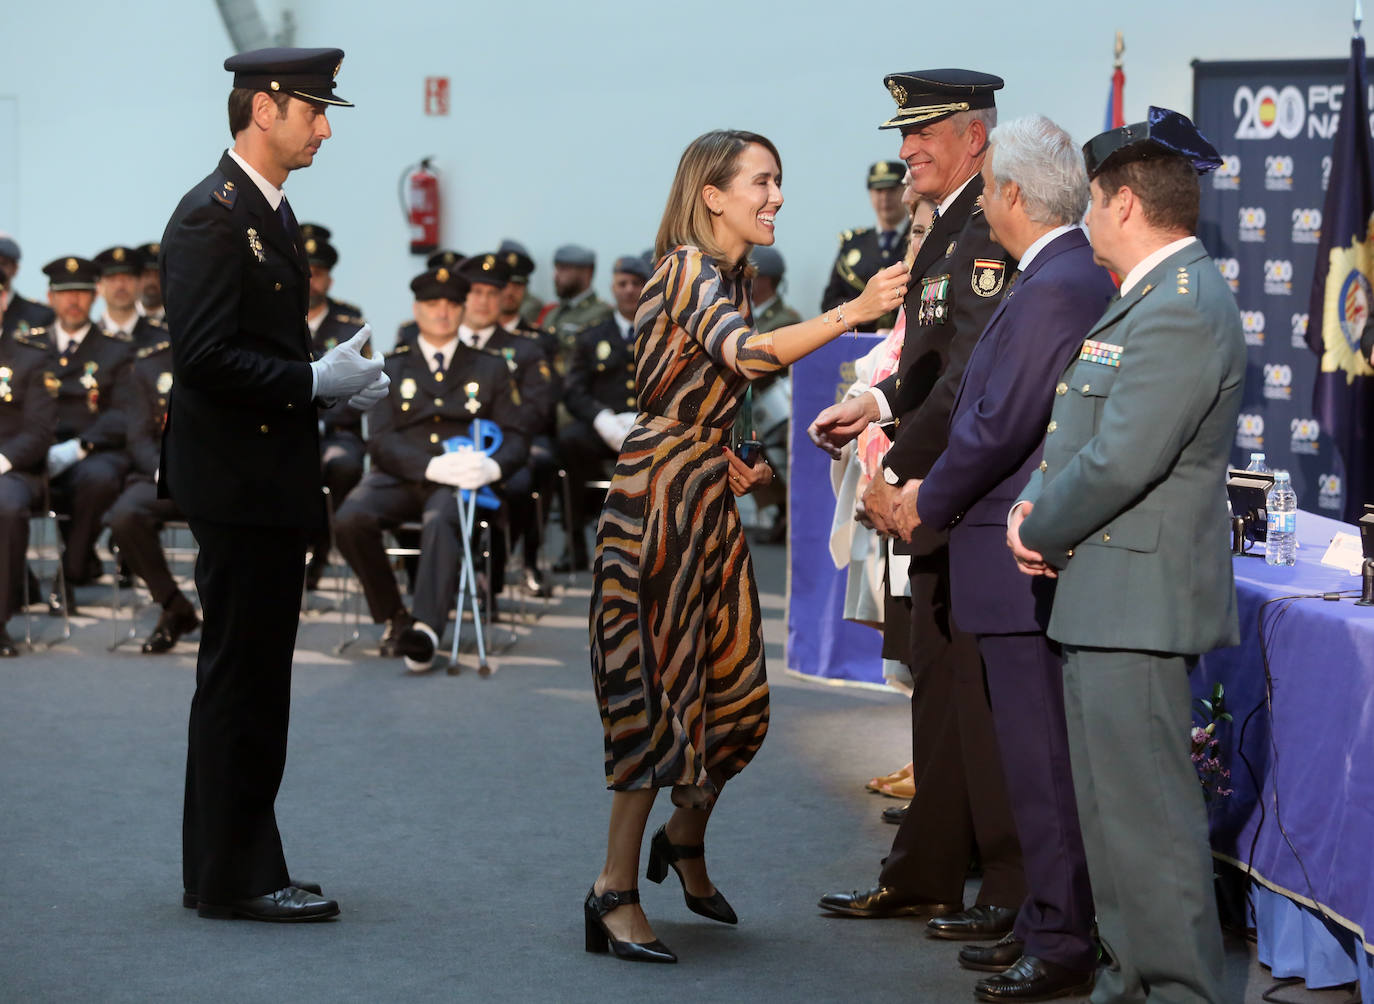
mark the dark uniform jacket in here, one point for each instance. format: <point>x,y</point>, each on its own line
<point>28,410</point>
<point>537,389</point>
<point>420,412</point>
<point>91,385</point>
<point>242,443</point>
<point>602,373</point>
<point>147,331</point>
<point>547,342</point>
<point>151,386</point>
<point>339,325</point>
<point>858,261</point>
<point>996,431</point>
<point>21,315</point>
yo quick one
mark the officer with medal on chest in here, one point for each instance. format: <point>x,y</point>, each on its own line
<point>120,286</point>
<point>21,314</point>
<point>601,398</point>
<point>867,250</point>
<point>536,392</point>
<point>89,372</point>
<point>138,514</point>
<point>438,387</point>
<point>408,331</point>
<point>28,421</point>
<point>958,277</point>
<point>331,323</point>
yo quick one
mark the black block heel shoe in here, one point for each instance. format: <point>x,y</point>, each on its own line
<point>662,853</point>
<point>599,938</point>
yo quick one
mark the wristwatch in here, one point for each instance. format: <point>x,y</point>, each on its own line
<point>891,476</point>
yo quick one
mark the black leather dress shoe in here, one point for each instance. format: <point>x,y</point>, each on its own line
<point>992,958</point>
<point>56,601</point>
<point>170,626</point>
<point>288,905</point>
<point>1032,979</point>
<point>190,900</point>
<point>535,584</point>
<point>8,650</point>
<point>895,813</point>
<point>882,901</point>
<point>977,923</point>
<point>398,623</point>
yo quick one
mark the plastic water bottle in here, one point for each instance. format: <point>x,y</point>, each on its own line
<point>1280,547</point>
<point>1257,464</point>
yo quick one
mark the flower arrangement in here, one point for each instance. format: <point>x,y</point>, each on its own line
<point>1214,776</point>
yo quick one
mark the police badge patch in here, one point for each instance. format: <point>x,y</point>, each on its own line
<point>988,276</point>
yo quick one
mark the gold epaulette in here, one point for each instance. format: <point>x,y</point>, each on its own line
<point>399,350</point>
<point>118,336</point>
<point>153,349</point>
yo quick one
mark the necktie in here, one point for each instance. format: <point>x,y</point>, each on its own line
<point>885,240</point>
<point>288,220</point>
<point>935,216</point>
<point>438,366</point>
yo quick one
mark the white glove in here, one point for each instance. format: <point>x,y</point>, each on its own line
<point>371,394</point>
<point>476,469</point>
<point>5,465</point>
<point>64,455</point>
<point>609,427</point>
<point>627,422</point>
<point>443,469</point>
<point>344,371</point>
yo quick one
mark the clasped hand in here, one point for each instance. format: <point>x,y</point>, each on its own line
<point>743,478</point>
<point>344,373</point>
<point>463,468</point>
<point>891,509</point>
<point>1027,561</point>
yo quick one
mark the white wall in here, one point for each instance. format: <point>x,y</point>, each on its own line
<point>567,119</point>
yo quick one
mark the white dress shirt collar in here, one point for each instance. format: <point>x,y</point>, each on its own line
<point>476,338</point>
<point>70,341</point>
<point>430,351</point>
<point>627,328</point>
<point>1041,242</point>
<point>949,200</point>
<point>108,325</point>
<point>269,191</point>
<point>1146,264</point>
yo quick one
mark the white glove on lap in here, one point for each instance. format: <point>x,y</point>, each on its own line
<point>344,371</point>
<point>64,455</point>
<point>476,469</point>
<point>627,422</point>
<point>371,394</point>
<point>607,426</point>
<point>443,469</point>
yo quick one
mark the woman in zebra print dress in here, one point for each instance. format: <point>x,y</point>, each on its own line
<point>676,639</point>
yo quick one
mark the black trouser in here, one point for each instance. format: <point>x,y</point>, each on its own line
<point>537,475</point>
<point>250,580</point>
<point>383,502</point>
<point>134,521</point>
<point>961,797</point>
<point>16,504</point>
<point>585,457</point>
<point>341,465</point>
<point>85,491</point>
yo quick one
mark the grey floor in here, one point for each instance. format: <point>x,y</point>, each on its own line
<point>459,822</point>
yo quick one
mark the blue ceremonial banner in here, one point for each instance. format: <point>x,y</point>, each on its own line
<point>1341,296</point>
<point>1262,221</point>
<point>820,642</point>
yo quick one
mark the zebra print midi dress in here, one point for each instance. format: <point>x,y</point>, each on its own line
<point>676,636</point>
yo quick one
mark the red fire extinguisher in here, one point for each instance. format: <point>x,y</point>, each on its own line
<point>420,204</point>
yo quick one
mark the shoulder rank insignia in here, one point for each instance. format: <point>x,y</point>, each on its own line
<point>117,335</point>
<point>1101,352</point>
<point>225,195</point>
<point>988,275</point>
<point>399,350</point>
<point>845,235</point>
<point>149,350</point>
<point>33,337</point>
<point>349,319</point>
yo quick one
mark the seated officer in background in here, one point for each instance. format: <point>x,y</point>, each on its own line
<point>28,419</point>
<point>536,392</point>
<point>408,331</point>
<point>150,303</point>
<point>600,396</point>
<point>120,286</point>
<point>438,386</point>
<point>341,426</point>
<point>138,514</point>
<point>578,307</point>
<point>88,374</point>
<point>530,305</point>
<point>866,250</point>
<point>770,312</point>
<point>21,314</point>
<point>771,396</point>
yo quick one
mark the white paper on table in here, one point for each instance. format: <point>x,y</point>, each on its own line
<point>1344,552</point>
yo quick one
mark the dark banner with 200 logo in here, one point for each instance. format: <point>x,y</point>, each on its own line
<point>1273,123</point>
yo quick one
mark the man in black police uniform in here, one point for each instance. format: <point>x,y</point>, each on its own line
<point>28,420</point>
<point>408,331</point>
<point>138,514</point>
<point>530,306</point>
<point>958,278</point>
<point>241,457</point>
<point>21,314</point>
<point>121,283</point>
<point>600,396</point>
<point>536,395</point>
<point>150,303</point>
<point>88,374</point>
<point>866,250</point>
<point>438,387</point>
<point>331,323</point>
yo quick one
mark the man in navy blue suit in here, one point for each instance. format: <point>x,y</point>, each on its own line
<point>1035,190</point>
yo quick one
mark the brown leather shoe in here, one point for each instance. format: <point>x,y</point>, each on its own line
<point>883,901</point>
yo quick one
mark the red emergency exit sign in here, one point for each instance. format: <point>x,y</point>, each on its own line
<point>436,95</point>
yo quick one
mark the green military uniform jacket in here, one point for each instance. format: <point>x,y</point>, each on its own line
<point>565,321</point>
<point>774,315</point>
<point>1130,499</point>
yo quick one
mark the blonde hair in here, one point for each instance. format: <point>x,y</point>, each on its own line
<point>710,159</point>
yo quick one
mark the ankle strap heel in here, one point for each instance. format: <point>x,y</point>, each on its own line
<point>599,937</point>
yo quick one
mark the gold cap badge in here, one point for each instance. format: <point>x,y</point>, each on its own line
<point>72,266</point>
<point>442,275</point>
<point>898,93</point>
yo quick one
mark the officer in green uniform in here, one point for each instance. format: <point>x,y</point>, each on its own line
<point>1128,509</point>
<point>866,250</point>
<point>769,310</point>
<point>578,306</point>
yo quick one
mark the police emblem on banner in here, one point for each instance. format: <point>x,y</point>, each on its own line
<point>988,276</point>
<point>1347,309</point>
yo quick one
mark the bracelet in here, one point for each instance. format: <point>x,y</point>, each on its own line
<point>839,311</point>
